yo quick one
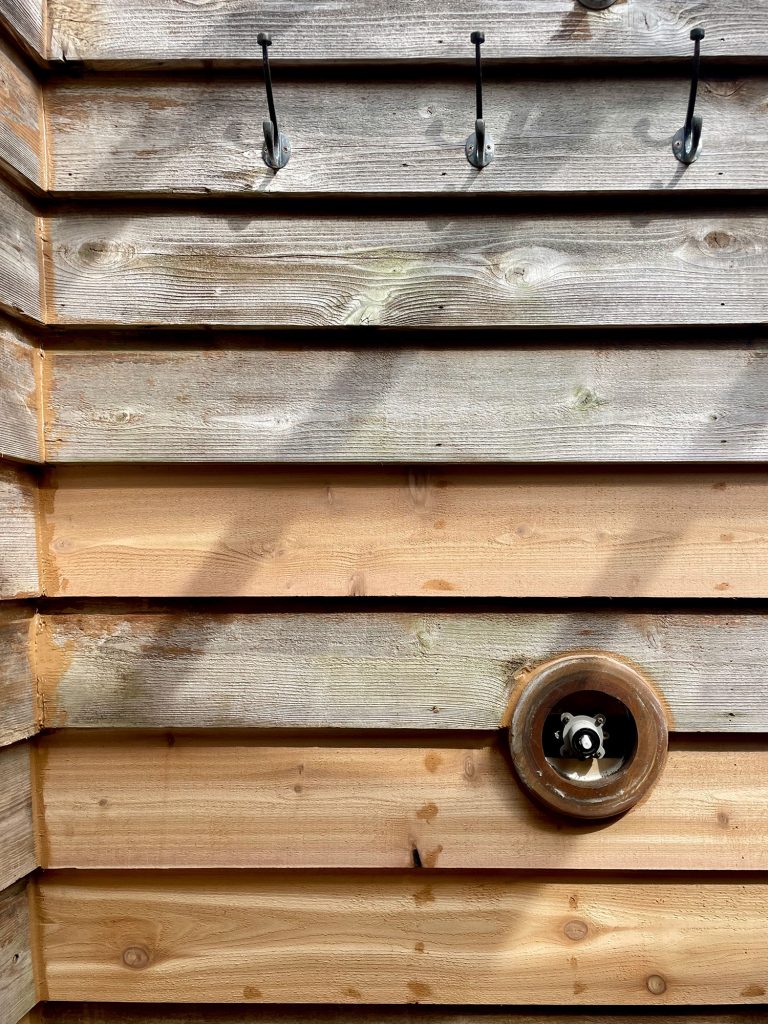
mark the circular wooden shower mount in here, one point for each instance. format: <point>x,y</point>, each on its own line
<point>602,680</point>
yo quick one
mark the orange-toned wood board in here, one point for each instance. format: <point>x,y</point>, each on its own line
<point>400,137</point>
<point>235,268</point>
<point>112,800</point>
<point>415,936</point>
<point>22,150</point>
<point>17,837</point>
<point>127,1013</point>
<point>18,713</point>
<point>17,982</point>
<point>109,31</point>
<point>246,398</point>
<point>18,538</point>
<point>20,414</point>
<point>151,531</point>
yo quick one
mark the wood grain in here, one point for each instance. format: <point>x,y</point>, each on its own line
<point>22,150</point>
<point>318,403</point>
<point>20,414</point>
<point>341,668</point>
<point>111,1013</point>
<point>206,800</point>
<point>18,716</point>
<point>377,137</point>
<point>99,31</point>
<point>228,268</point>
<point>148,531</point>
<point>25,20</point>
<point>19,575</point>
<point>404,937</point>
<point>20,283</point>
<point>17,837</point>
<point>17,983</point>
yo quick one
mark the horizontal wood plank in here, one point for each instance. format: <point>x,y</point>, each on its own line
<point>25,20</point>
<point>22,150</point>
<point>429,669</point>
<point>204,800</point>
<point>126,1013</point>
<point>416,936</point>
<point>19,575</point>
<point>20,257</point>
<point>17,837</point>
<point>509,270</point>
<point>148,531</point>
<point>20,374</point>
<point>99,31</point>
<point>340,403</point>
<point>378,137</point>
<point>17,983</point>
<point>18,715</point>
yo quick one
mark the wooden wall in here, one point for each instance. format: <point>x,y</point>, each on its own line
<point>302,472</point>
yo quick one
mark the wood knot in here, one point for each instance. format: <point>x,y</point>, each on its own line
<point>102,252</point>
<point>718,240</point>
<point>136,957</point>
<point>656,984</point>
<point>576,930</point>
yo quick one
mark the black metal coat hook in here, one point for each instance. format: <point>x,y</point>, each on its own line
<point>479,145</point>
<point>686,145</point>
<point>276,150</point>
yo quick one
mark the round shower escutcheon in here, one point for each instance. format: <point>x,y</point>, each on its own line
<point>588,735</point>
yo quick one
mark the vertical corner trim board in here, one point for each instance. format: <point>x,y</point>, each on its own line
<point>19,575</point>
<point>231,269</point>
<point>17,982</point>
<point>20,413</point>
<point>17,840</point>
<point>18,712</point>
<point>22,147</point>
<point>130,30</point>
<point>398,938</point>
<point>463,532</point>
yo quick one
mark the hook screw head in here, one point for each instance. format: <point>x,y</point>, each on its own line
<point>264,39</point>
<point>477,37</point>
<point>697,34</point>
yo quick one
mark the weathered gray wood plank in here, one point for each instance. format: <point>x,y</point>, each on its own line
<point>354,30</point>
<point>25,19</point>
<point>20,372</point>
<point>410,670</point>
<point>18,718</point>
<point>19,575</point>
<point>22,151</point>
<point>230,268</point>
<point>20,265</point>
<point>344,404</point>
<point>17,983</point>
<point>134,136</point>
<point>17,839</point>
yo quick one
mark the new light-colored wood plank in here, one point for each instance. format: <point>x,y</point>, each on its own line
<point>17,838</point>
<point>148,531</point>
<point>18,716</point>
<point>395,404</point>
<point>331,668</point>
<point>19,575</point>
<point>415,936</point>
<point>558,135</point>
<point>205,800</point>
<point>25,19</point>
<point>100,31</point>
<point>17,983</point>
<point>22,150</point>
<point>234,268</point>
<point>20,373</point>
<point>106,1013</point>
<point>20,265</point>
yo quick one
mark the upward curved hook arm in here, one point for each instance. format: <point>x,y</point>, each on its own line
<point>276,151</point>
<point>686,144</point>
